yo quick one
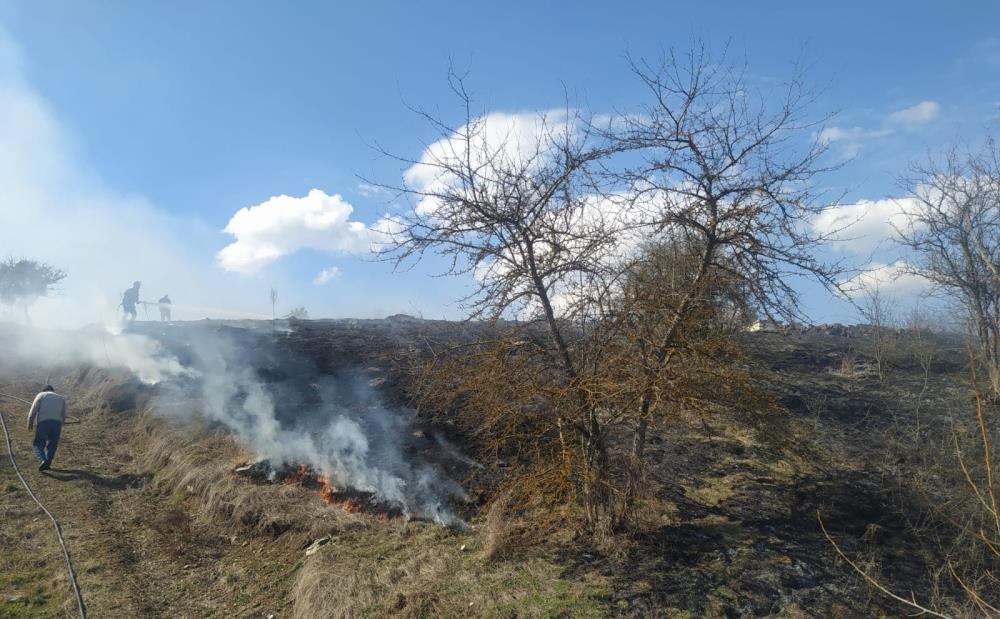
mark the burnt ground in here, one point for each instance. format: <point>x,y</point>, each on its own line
<point>731,529</point>
<point>743,539</point>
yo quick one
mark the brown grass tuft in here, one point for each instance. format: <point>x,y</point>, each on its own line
<point>495,530</point>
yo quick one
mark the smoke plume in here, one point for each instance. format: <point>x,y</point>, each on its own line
<point>274,400</point>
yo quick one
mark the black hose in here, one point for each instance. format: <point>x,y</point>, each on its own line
<point>69,564</point>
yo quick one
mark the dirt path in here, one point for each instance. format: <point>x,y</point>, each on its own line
<point>136,553</point>
<point>89,493</point>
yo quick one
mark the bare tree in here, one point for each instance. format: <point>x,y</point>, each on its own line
<point>728,169</point>
<point>953,230</point>
<point>624,247</point>
<point>877,310</point>
<point>22,282</point>
<point>510,206</point>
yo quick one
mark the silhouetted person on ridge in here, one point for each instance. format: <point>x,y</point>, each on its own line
<point>49,412</point>
<point>130,298</point>
<point>165,304</point>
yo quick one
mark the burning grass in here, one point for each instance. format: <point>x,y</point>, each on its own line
<point>351,500</point>
<point>383,566</point>
<point>192,462</point>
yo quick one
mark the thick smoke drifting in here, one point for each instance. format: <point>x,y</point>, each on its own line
<point>143,356</point>
<point>276,402</point>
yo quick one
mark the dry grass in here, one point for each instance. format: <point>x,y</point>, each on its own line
<point>195,462</point>
<point>495,529</point>
<point>371,568</point>
<point>416,570</point>
<point>952,468</point>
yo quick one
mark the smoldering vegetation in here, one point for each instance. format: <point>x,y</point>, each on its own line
<point>338,424</point>
<point>278,403</point>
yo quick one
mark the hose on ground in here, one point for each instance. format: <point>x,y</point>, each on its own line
<point>62,543</point>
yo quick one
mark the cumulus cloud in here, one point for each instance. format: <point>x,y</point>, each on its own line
<point>520,139</point>
<point>918,114</point>
<point>284,224</point>
<point>865,225</point>
<point>893,280</point>
<point>327,275</point>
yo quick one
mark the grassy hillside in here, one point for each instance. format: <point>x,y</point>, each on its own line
<point>159,527</point>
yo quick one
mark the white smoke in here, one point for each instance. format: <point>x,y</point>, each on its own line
<point>338,425</point>
<point>143,356</point>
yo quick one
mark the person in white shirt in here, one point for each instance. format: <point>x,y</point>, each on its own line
<point>48,412</point>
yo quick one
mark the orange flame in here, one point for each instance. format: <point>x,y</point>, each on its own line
<point>304,476</point>
<point>331,495</point>
<point>326,490</point>
<point>297,477</point>
<point>353,505</point>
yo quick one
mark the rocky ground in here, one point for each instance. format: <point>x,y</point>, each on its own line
<point>732,530</point>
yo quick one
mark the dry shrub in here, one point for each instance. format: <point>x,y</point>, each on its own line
<point>530,428</point>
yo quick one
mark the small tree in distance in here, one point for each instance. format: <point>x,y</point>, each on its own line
<point>23,281</point>
<point>876,309</point>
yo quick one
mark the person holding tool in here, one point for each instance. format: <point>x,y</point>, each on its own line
<point>48,412</point>
<point>165,304</point>
<point>130,298</point>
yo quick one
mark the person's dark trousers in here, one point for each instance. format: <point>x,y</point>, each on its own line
<point>46,439</point>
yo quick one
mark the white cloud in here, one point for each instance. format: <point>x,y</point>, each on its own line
<point>327,275</point>
<point>918,114</point>
<point>852,139</point>
<point>892,280</point>
<point>519,139</point>
<point>367,190</point>
<point>849,134</point>
<point>865,225</point>
<point>284,224</point>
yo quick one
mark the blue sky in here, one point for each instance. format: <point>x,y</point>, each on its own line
<point>188,112</point>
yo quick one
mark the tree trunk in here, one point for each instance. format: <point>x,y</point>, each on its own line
<point>663,354</point>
